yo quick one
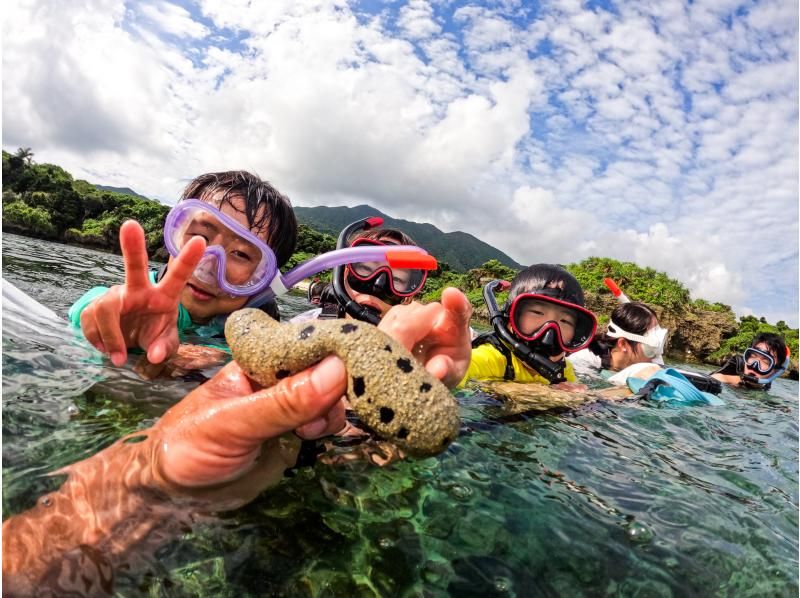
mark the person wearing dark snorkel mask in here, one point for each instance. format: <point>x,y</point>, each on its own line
<point>766,359</point>
<point>543,320</point>
<point>367,290</point>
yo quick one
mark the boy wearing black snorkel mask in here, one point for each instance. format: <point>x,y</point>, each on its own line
<point>543,320</point>
<point>766,359</point>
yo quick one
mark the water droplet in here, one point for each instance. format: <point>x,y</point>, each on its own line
<point>461,492</point>
<point>502,584</point>
<point>638,532</point>
<point>385,542</point>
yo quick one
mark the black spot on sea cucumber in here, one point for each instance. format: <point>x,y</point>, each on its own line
<point>305,332</point>
<point>348,328</point>
<point>281,374</point>
<point>405,365</point>
<point>402,433</point>
<point>388,348</point>
<point>387,415</point>
<point>358,386</point>
<point>424,387</point>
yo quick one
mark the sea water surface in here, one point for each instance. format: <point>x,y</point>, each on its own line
<point>615,499</point>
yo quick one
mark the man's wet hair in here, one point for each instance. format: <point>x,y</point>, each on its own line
<point>775,343</point>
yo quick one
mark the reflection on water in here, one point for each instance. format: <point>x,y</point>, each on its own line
<point>620,499</point>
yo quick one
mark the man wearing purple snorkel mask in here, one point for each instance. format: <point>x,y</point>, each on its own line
<point>150,308</point>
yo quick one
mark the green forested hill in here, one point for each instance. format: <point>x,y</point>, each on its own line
<point>459,250</point>
<point>122,190</point>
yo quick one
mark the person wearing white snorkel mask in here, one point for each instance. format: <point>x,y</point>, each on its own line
<point>632,346</point>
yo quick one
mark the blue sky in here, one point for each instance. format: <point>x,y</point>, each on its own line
<point>664,133</point>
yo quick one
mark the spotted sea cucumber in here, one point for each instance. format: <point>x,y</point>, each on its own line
<point>391,392</point>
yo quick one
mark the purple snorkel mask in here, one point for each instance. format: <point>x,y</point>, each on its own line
<point>242,265</point>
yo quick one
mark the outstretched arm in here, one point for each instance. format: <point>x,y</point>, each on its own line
<point>217,449</point>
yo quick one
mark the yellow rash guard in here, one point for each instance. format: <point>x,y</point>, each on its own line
<point>487,363</point>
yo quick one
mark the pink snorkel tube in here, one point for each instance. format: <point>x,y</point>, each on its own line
<point>399,256</point>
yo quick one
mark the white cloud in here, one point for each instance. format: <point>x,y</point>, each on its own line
<point>171,19</point>
<point>663,134</point>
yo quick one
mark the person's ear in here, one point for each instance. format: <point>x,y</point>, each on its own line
<point>623,345</point>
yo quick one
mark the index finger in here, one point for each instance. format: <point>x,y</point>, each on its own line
<point>182,267</point>
<point>457,303</point>
<point>134,254</point>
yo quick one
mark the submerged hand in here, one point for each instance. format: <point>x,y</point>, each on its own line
<point>216,435</point>
<point>138,313</point>
<point>437,334</point>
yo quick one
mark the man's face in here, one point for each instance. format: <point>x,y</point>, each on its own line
<point>204,301</point>
<point>762,361</point>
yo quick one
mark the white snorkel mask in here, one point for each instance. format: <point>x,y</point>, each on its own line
<point>652,342</point>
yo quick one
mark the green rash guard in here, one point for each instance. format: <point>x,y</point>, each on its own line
<point>184,319</point>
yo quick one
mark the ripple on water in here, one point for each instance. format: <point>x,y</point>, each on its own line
<point>617,499</point>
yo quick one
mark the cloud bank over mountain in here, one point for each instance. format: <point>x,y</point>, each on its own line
<point>661,133</point>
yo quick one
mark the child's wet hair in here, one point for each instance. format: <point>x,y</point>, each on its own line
<point>551,277</point>
<point>634,317</point>
<point>382,233</point>
<point>268,211</point>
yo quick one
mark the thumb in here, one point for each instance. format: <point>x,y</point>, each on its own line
<point>163,346</point>
<point>292,402</point>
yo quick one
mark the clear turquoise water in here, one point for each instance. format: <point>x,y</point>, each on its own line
<point>626,499</point>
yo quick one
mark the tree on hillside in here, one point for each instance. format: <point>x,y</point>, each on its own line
<point>25,154</point>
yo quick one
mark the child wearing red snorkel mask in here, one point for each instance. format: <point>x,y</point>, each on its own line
<point>543,320</point>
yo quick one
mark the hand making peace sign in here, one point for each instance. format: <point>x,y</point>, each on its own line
<point>139,313</point>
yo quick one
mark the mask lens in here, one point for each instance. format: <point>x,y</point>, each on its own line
<point>244,260</point>
<point>403,282</point>
<point>758,360</point>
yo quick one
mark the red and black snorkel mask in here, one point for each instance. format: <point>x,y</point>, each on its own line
<point>391,284</point>
<point>400,276</point>
<point>571,330</point>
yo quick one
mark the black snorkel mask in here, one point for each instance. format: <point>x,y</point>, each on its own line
<point>532,353</point>
<point>352,308</point>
